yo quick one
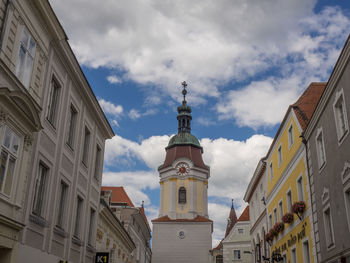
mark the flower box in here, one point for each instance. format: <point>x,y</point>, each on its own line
<point>278,227</point>
<point>288,218</point>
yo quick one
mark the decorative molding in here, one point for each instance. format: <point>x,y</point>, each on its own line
<point>3,116</point>
<point>325,195</point>
<point>345,174</point>
<point>28,140</point>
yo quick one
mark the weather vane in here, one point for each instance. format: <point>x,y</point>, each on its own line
<point>184,91</point>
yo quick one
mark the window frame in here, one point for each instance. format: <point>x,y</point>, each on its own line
<point>341,136</point>
<point>98,159</point>
<point>290,135</point>
<point>53,105</point>
<point>321,161</point>
<point>86,146</point>
<point>21,66</point>
<point>328,227</point>
<point>239,254</point>
<point>280,209</point>
<point>306,258</point>
<point>77,223</point>
<point>279,155</point>
<point>71,130</point>
<point>289,200</point>
<point>182,191</point>
<point>62,205</point>
<point>92,220</point>
<point>301,196</point>
<point>271,170</point>
<point>42,210</point>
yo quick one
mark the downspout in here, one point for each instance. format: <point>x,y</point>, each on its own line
<point>2,33</point>
<point>308,175</point>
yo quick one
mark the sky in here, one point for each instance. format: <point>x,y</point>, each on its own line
<point>244,61</point>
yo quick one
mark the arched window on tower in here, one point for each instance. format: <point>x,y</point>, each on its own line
<point>182,195</point>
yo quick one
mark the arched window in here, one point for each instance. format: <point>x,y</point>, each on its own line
<point>182,195</point>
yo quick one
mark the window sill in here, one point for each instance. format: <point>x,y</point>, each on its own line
<point>59,231</point>
<point>77,241</point>
<point>38,220</point>
<point>321,167</point>
<point>90,248</point>
<point>330,246</point>
<point>343,137</point>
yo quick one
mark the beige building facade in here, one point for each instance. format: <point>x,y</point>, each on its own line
<point>52,134</point>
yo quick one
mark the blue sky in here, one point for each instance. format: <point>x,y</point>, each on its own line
<point>244,61</point>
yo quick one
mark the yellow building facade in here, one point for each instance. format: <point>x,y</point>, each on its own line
<point>289,214</point>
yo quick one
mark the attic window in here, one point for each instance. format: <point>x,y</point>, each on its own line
<point>182,195</point>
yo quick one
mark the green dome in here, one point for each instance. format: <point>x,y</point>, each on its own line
<point>184,138</point>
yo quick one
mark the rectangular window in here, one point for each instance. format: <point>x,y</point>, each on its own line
<point>86,146</point>
<point>270,221</point>
<point>290,135</point>
<point>328,226</point>
<point>340,116</point>
<point>236,254</point>
<point>275,215</point>
<point>347,203</point>
<point>279,155</point>
<point>271,170</point>
<point>97,162</point>
<point>320,149</point>
<point>91,227</point>
<point>300,188</point>
<point>53,102</point>
<point>62,204</point>
<point>284,258</point>
<point>26,53</point>
<point>289,200</point>
<point>71,126</point>
<point>78,217</point>
<point>40,189</point>
<point>8,155</point>
<point>294,256</point>
<point>280,206</point>
<point>306,252</point>
<point>240,231</point>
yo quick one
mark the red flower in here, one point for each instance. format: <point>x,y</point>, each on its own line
<point>288,218</point>
<point>299,207</point>
<point>278,227</point>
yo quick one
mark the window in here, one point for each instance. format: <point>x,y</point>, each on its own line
<point>86,146</point>
<point>347,203</point>
<point>97,162</point>
<point>240,231</point>
<point>53,102</point>
<point>294,255</point>
<point>284,258</point>
<point>78,217</point>
<point>26,53</point>
<point>320,149</point>
<point>306,252</point>
<point>182,195</point>
<point>236,254</point>
<point>280,206</point>
<point>270,221</point>
<point>289,200</point>
<point>279,155</point>
<point>328,227</point>
<point>300,188</point>
<point>40,189</point>
<point>275,215</point>
<point>219,259</point>
<point>8,155</point>
<point>341,122</point>
<point>91,227</point>
<point>290,136</point>
<point>271,170</point>
<point>62,204</point>
<point>71,126</point>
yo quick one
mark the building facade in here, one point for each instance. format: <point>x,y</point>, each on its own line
<point>236,245</point>
<point>255,196</point>
<point>289,216</point>
<point>182,232</point>
<point>328,147</point>
<point>134,221</point>
<point>53,133</point>
<point>112,237</point>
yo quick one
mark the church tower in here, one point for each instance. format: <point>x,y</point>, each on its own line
<point>182,232</point>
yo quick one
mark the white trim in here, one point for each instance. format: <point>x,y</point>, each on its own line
<point>279,158</point>
<point>291,199</point>
<point>302,188</point>
<point>290,144</point>
<point>325,208</point>
<point>306,239</point>
<point>279,210</point>
<point>341,137</point>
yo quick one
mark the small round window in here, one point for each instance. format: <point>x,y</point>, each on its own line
<point>181,234</point>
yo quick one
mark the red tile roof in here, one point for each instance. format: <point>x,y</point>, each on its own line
<point>305,106</point>
<point>245,215</point>
<point>167,219</point>
<point>219,246</point>
<point>118,195</point>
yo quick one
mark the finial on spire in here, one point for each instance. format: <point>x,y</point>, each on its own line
<point>184,91</point>
<point>232,202</point>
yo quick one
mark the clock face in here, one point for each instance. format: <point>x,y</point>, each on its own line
<point>182,169</point>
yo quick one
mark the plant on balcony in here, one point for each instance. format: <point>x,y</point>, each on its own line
<point>278,227</point>
<point>288,218</point>
<point>269,237</point>
<point>298,208</point>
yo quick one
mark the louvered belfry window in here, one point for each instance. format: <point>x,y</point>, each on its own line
<point>182,195</point>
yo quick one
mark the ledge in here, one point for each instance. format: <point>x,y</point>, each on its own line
<point>77,241</point>
<point>59,231</point>
<point>38,220</point>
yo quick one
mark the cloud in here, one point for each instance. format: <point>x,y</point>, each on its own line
<point>113,79</point>
<point>161,43</point>
<point>134,114</point>
<point>110,109</point>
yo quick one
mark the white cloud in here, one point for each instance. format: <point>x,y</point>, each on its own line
<point>113,79</point>
<point>111,109</point>
<point>208,43</point>
<point>115,123</point>
<point>134,114</point>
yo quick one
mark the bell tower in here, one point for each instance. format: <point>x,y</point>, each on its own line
<point>182,232</point>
